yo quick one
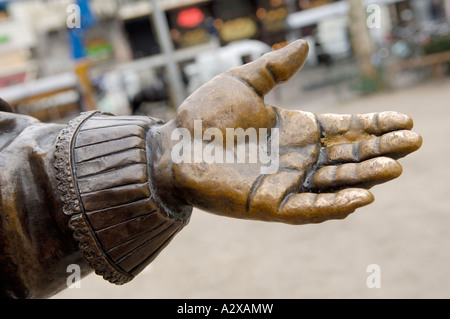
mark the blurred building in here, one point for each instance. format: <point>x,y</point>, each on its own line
<point>123,52</point>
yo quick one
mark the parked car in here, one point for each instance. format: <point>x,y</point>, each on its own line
<point>208,64</point>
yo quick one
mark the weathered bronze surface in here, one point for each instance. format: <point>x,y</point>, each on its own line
<point>104,191</point>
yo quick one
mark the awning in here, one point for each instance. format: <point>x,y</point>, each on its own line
<point>312,16</point>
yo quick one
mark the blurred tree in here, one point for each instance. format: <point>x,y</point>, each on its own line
<point>362,42</point>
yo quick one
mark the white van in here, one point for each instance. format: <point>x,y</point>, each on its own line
<point>210,63</point>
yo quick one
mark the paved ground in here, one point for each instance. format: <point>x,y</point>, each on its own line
<point>406,231</point>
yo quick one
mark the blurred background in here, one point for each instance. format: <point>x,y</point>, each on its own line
<point>61,57</point>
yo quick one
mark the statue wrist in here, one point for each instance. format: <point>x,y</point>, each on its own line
<point>104,173</point>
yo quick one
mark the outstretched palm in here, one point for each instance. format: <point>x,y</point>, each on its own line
<point>326,162</point>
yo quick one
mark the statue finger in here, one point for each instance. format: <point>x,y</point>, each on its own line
<point>348,126</point>
<point>395,144</point>
<point>289,122</point>
<point>273,68</point>
<point>5,107</point>
<point>307,208</point>
<point>365,174</point>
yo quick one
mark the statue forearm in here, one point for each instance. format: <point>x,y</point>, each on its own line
<point>36,244</point>
<point>89,181</point>
<point>115,214</point>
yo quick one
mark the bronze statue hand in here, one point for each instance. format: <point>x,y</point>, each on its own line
<point>326,162</point>
<point>124,186</point>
